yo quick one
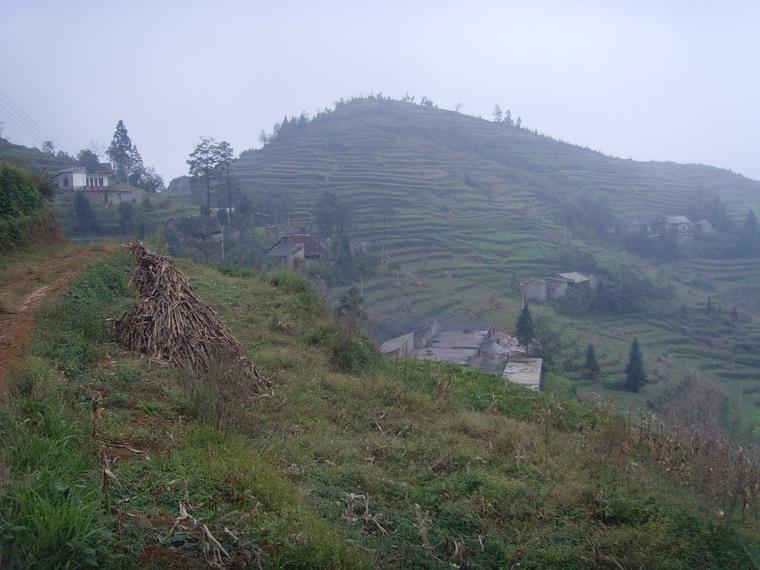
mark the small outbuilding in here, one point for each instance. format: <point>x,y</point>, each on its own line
<point>704,227</point>
<point>525,372</point>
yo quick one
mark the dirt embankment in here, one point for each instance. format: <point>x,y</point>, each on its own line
<point>25,285</point>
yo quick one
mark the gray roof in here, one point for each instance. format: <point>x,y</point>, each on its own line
<point>575,276</point>
<point>284,248</point>
<point>677,220</point>
<point>72,169</point>
<point>103,168</point>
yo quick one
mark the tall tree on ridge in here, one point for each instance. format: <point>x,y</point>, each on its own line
<point>225,155</point>
<point>121,152</point>
<point>203,161</point>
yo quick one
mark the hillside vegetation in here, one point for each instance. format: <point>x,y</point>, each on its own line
<point>24,214</point>
<point>33,158</point>
<point>120,461</point>
<point>465,209</point>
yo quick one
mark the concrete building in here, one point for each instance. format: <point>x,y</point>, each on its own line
<point>548,288</point>
<point>478,347</point>
<point>95,185</point>
<point>465,346</point>
<point>704,227</point>
<point>525,372</point>
<point>78,178</point>
<point>577,279</point>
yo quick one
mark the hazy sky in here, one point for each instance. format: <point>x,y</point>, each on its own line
<point>662,80</point>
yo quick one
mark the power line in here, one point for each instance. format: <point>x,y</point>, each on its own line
<point>35,137</point>
<point>11,113</point>
<point>29,119</point>
<point>25,122</point>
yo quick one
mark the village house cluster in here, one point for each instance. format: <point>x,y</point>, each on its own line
<point>477,347</point>
<point>655,226</point>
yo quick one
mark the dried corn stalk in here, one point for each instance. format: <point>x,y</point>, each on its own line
<point>170,321</point>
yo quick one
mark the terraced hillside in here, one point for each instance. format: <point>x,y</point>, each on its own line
<point>42,162</point>
<point>477,209</point>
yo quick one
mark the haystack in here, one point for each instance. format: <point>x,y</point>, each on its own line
<point>171,322</point>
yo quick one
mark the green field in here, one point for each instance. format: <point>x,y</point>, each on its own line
<point>478,204</point>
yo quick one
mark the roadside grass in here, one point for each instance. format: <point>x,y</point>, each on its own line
<point>406,464</point>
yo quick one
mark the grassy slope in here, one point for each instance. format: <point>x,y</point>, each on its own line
<point>476,203</point>
<point>481,475</point>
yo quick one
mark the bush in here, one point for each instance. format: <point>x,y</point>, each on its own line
<point>357,355</point>
<point>19,192</point>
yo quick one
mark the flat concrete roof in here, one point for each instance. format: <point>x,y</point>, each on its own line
<point>459,339</point>
<point>524,371</point>
<point>454,355</point>
<point>575,276</point>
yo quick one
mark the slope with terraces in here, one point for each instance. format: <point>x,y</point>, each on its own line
<point>477,208</point>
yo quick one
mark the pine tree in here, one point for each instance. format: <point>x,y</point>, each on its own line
<point>591,365</point>
<point>121,152</point>
<point>525,332</point>
<point>635,376</point>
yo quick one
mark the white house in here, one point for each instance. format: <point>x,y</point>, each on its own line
<point>77,178</point>
<point>74,178</point>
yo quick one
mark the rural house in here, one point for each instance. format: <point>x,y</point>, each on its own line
<point>78,178</point>
<point>704,227</point>
<point>94,183</point>
<point>680,226</point>
<point>479,347</point>
<point>295,250</point>
<point>458,345</point>
<point>548,288</point>
<point>576,279</point>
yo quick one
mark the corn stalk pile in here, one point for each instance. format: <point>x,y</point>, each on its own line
<point>171,322</point>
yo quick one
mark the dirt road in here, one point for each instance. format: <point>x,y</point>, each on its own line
<point>26,284</point>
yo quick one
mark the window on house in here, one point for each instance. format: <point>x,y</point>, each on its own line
<point>65,182</point>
